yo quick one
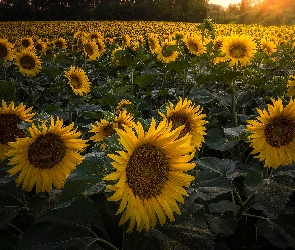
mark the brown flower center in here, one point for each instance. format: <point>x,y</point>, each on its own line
<point>26,43</point>
<point>179,120</point>
<point>166,52</point>
<point>39,47</point>
<point>47,151</point>
<point>9,129</point>
<point>75,82</point>
<point>152,43</point>
<point>3,50</point>
<point>237,50</point>
<point>217,45</point>
<point>59,44</point>
<point>279,132</point>
<point>193,46</point>
<point>27,62</point>
<point>147,171</point>
<point>108,130</point>
<point>88,49</point>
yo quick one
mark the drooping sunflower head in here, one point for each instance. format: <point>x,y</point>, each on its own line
<point>122,105</point>
<point>291,85</point>
<point>102,129</point>
<point>150,174</point>
<point>273,134</point>
<point>47,157</point>
<point>124,119</point>
<point>10,119</point>
<point>239,50</point>
<point>40,46</point>
<point>91,50</point>
<point>95,35</point>
<point>167,52</point>
<point>6,50</point>
<point>60,43</point>
<point>153,43</point>
<point>126,40</point>
<point>27,43</point>
<point>78,80</point>
<point>217,43</point>
<point>194,44</point>
<point>186,114</point>
<point>100,46</point>
<point>28,62</point>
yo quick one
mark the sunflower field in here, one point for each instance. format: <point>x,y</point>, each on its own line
<point>146,135</point>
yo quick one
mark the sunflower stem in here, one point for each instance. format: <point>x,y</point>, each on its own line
<point>70,108</point>
<point>245,206</point>
<point>265,174</point>
<point>185,83</point>
<point>106,243</point>
<point>30,92</point>
<point>233,111</point>
<point>132,82</point>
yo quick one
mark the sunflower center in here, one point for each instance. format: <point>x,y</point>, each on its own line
<point>88,49</point>
<point>26,43</point>
<point>147,171</point>
<point>108,130</point>
<point>3,50</point>
<point>279,132</point>
<point>166,52</point>
<point>47,151</point>
<point>217,45</point>
<point>39,47</point>
<point>93,36</point>
<point>75,82</point>
<point>9,129</point>
<point>179,120</point>
<point>237,50</point>
<point>27,62</point>
<point>193,46</point>
<point>59,44</point>
<point>152,44</point>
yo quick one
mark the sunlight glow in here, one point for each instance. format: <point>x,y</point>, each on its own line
<point>224,3</point>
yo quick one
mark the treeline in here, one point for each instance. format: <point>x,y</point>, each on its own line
<point>160,10</point>
<point>265,12</point>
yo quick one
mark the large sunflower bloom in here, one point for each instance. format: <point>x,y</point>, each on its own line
<point>6,50</point>
<point>47,157</point>
<point>28,63</point>
<point>165,53</point>
<point>78,80</point>
<point>239,50</point>
<point>273,134</point>
<point>150,174</point>
<point>185,113</point>
<point>10,118</point>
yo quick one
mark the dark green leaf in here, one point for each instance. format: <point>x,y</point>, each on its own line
<point>215,140</point>
<point>226,224</point>
<point>200,96</point>
<point>144,79</point>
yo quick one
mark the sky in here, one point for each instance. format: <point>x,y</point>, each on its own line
<point>224,3</point>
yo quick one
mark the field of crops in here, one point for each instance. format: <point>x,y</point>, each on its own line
<point>147,135</point>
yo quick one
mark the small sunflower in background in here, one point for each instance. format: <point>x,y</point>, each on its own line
<point>167,51</point>
<point>47,157</point>
<point>194,44</point>
<point>267,46</point>
<point>100,46</point>
<point>186,114</point>
<point>153,43</point>
<point>150,174</point>
<point>27,43</point>
<point>28,62</point>
<point>40,46</point>
<point>273,134</point>
<point>238,49</point>
<point>123,105</point>
<point>6,50</point>
<point>91,50</point>
<point>60,43</point>
<point>291,86</point>
<point>10,119</point>
<point>78,80</point>
<point>95,35</point>
<point>126,40</point>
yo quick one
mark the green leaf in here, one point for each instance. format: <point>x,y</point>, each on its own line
<point>214,177</point>
<point>7,90</point>
<point>65,228</point>
<point>144,79</point>
<point>235,131</point>
<point>200,96</point>
<point>86,179</point>
<point>10,242</point>
<point>225,224</point>
<point>275,234</point>
<point>215,140</point>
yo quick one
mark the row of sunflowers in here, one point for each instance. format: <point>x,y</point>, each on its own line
<point>159,115</point>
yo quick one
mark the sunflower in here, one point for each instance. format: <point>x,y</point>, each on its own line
<point>47,157</point>
<point>194,44</point>
<point>267,47</point>
<point>273,134</point>
<point>239,50</point>
<point>6,50</point>
<point>122,105</point>
<point>100,46</point>
<point>185,113</point>
<point>95,35</point>
<point>124,118</point>
<point>27,43</point>
<point>10,118</point>
<point>28,63</point>
<point>60,43</point>
<point>291,85</point>
<point>166,52</point>
<point>102,130</point>
<point>40,46</point>
<point>150,174</point>
<point>126,40</point>
<point>91,50</point>
<point>78,80</point>
<point>153,43</point>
